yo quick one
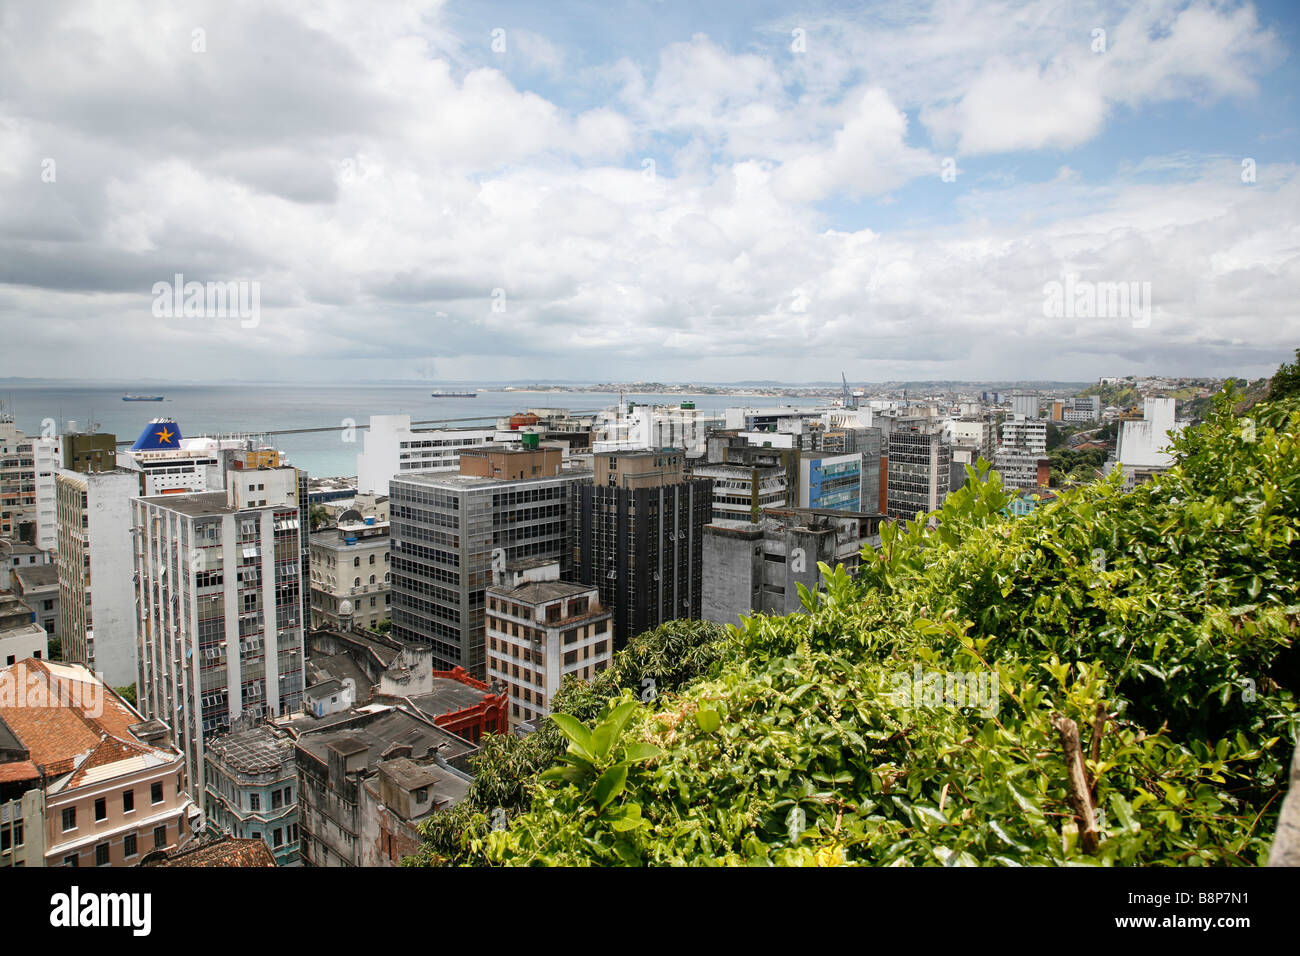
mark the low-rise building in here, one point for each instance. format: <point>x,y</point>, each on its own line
<point>84,779</point>
<point>368,777</point>
<point>251,789</point>
<point>20,636</point>
<point>37,586</point>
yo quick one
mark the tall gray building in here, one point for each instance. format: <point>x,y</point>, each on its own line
<point>919,469</point>
<point>446,534</point>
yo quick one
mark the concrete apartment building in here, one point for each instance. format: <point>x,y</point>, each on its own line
<point>97,610</point>
<point>38,587</point>
<point>84,779</point>
<point>539,631</point>
<point>350,575</point>
<point>1021,459</point>
<point>918,468</point>
<point>367,778</point>
<point>391,446</point>
<point>220,626</point>
<point>251,789</point>
<point>757,568</point>
<point>638,537</point>
<point>448,533</point>
<point>47,458</point>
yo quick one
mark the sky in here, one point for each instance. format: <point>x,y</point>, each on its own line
<point>645,190</point>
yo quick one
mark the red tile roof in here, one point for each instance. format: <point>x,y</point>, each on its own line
<point>223,851</point>
<point>57,723</point>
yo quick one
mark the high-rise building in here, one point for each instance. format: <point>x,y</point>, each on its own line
<point>832,481</point>
<point>918,470</point>
<point>47,456</point>
<point>97,611</point>
<point>638,536</point>
<point>448,532</point>
<point>1021,459</point>
<point>17,481</point>
<point>637,427</point>
<point>1143,447</point>
<point>539,631</point>
<point>220,627</point>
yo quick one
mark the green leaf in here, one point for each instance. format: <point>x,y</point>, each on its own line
<point>610,785</point>
<point>708,720</point>
<point>579,736</point>
<point>637,752</point>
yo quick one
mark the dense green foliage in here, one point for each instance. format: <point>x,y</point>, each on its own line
<point>1070,467</point>
<point>1160,621</point>
<point>506,767</point>
<point>1286,380</point>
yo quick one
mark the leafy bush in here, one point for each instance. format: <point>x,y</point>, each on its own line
<point>1161,623</point>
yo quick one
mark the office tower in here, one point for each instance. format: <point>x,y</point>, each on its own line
<point>448,532</point>
<point>97,610</point>
<point>918,468</point>
<point>220,629</point>
<point>539,631</point>
<point>638,537</point>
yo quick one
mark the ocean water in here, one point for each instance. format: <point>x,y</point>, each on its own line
<point>208,409</point>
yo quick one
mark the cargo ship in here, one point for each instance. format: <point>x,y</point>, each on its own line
<point>142,398</point>
<point>454,394</point>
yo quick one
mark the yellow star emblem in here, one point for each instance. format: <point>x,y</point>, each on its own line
<point>165,436</point>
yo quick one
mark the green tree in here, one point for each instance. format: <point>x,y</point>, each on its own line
<point>1286,380</point>
<point>319,517</point>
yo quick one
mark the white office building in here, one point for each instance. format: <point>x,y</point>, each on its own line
<point>391,447</point>
<point>219,610</point>
<point>96,594</point>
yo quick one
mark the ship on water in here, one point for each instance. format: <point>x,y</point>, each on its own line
<point>454,394</point>
<point>141,398</point>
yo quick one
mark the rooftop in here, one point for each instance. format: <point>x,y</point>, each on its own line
<point>36,577</point>
<point>261,749</point>
<point>362,728</point>
<point>539,592</point>
<point>223,851</point>
<point>60,723</point>
<point>448,696</point>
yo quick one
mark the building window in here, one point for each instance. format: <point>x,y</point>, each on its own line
<point>101,855</point>
<point>159,837</point>
<point>72,860</point>
<point>277,838</point>
<point>255,801</point>
<point>101,810</point>
<point>156,793</point>
<point>356,562</point>
<point>128,846</point>
<point>69,819</point>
